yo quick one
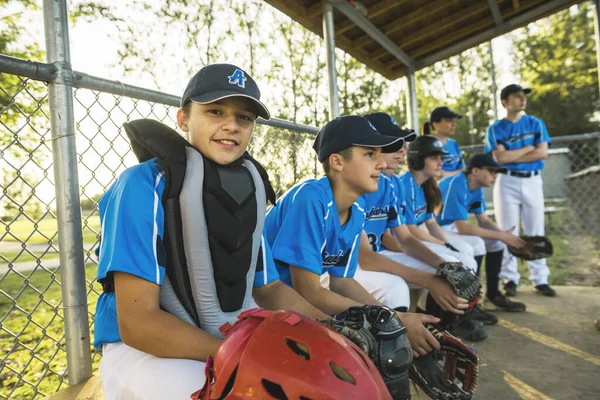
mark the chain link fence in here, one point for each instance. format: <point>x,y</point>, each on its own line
<point>32,336</point>
<point>572,208</point>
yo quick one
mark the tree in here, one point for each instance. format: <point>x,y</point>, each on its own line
<point>559,64</point>
<point>22,105</point>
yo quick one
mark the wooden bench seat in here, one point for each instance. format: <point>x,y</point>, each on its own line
<point>90,389</point>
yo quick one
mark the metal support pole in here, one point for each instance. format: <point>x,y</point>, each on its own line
<point>597,34</point>
<point>493,74</point>
<point>329,36</point>
<point>70,238</point>
<point>412,106</point>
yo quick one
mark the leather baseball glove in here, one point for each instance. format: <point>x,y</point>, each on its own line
<point>450,373</point>
<point>537,247</point>
<point>464,282</point>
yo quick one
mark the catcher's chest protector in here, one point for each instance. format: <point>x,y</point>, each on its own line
<point>214,217</point>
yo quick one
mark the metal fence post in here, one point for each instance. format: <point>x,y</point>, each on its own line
<point>329,36</point>
<point>412,106</point>
<point>70,237</point>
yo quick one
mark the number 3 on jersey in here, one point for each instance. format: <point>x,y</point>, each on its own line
<point>374,242</point>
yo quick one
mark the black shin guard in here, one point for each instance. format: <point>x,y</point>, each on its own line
<point>493,263</point>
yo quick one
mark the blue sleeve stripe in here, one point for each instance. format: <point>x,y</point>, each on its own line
<point>155,233</point>
<point>351,252</point>
<point>444,208</point>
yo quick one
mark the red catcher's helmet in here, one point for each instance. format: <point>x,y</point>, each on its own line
<point>283,355</point>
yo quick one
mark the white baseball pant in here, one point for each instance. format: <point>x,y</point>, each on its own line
<point>130,374</point>
<point>480,246</point>
<point>412,262</point>
<point>516,198</point>
<point>390,290</point>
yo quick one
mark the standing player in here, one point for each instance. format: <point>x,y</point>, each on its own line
<point>462,194</point>
<point>157,331</point>
<point>317,226</point>
<point>520,143</point>
<point>442,121</point>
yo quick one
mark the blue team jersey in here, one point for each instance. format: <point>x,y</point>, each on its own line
<point>304,231</point>
<point>528,131</point>
<point>381,211</point>
<point>453,160</point>
<point>414,206</point>
<point>132,221</point>
<point>458,201</point>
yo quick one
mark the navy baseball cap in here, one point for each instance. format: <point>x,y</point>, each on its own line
<point>484,160</point>
<point>387,125</point>
<point>219,81</point>
<point>514,88</point>
<point>442,112</point>
<point>352,130</point>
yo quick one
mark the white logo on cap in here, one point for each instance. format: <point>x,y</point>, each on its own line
<point>438,143</point>
<point>393,120</point>
<point>371,125</point>
<point>238,78</point>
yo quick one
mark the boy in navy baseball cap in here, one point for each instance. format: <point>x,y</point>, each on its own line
<point>316,228</point>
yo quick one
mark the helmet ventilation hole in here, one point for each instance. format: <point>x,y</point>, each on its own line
<point>341,373</point>
<point>298,348</point>
<point>274,390</point>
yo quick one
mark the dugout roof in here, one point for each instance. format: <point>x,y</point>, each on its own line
<point>390,36</point>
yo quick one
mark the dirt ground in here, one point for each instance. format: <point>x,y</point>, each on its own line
<point>552,351</point>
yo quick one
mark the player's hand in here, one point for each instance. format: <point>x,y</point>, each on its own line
<point>512,240</point>
<point>445,296</point>
<point>421,340</point>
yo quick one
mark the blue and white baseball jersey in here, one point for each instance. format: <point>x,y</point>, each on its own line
<point>381,211</point>
<point>132,220</point>
<point>528,131</point>
<point>458,201</point>
<point>304,231</point>
<point>415,205</point>
<point>453,160</point>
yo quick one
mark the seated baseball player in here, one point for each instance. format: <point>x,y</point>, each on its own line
<point>418,264</point>
<point>419,196</point>
<point>315,228</point>
<point>181,250</point>
<point>462,194</point>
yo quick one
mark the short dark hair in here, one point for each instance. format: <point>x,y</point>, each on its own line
<point>346,155</point>
<point>187,108</point>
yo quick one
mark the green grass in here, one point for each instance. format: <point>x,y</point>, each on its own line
<point>45,230</point>
<point>44,233</point>
<point>35,322</point>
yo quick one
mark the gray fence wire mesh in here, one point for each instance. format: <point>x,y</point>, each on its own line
<point>32,343</point>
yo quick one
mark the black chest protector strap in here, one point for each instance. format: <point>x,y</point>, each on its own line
<point>230,211</point>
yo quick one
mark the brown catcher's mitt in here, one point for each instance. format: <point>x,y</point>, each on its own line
<point>537,247</point>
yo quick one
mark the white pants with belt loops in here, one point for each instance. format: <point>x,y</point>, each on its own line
<point>515,199</point>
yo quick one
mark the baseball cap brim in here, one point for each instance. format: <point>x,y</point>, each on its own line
<point>208,98</point>
<point>388,144</point>
<point>410,135</point>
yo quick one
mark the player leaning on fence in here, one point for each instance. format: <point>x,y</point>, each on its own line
<point>169,211</point>
<point>520,143</point>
